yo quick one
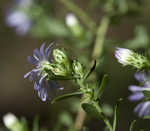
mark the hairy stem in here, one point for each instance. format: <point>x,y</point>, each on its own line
<point>104,117</point>
<point>80,13</point>
<point>97,51</point>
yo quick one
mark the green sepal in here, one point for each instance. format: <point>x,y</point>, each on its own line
<point>99,90</point>
<point>65,96</point>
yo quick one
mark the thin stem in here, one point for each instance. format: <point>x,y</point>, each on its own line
<point>80,13</point>
<point>104,117</point>
<point>101,33</point>
<point>97,51</point>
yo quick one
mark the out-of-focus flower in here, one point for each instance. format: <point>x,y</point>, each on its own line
<point>74,25</point>
<point>142,108</point>
<point>9,120</point>
<point>41,59</point>
<point>20,21</point>
<point>24,3</point>
<point>128,57</point>
<point>71,19</point>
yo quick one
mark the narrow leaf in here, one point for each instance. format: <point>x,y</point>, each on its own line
<point>98,91</point>
<point>116,112</point>
<point>65,96</point>
<point>132,125</point>
<point>90,71</point>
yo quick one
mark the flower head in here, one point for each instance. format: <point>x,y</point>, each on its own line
<point>137,94</point>
<point>42,60</point>
<point>123,55</point>
<point>129,57</point>
<point>71,20</point>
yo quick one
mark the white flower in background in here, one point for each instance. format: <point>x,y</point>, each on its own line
<point>123,55</point>
<point>71,19</point>
<point>9,120</point>
<point>19,20</point>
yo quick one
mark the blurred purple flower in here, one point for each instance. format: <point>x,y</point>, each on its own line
<point>142,108</point>
<point>20,21</point>
<point>24,3</point>
<point>41,59</point>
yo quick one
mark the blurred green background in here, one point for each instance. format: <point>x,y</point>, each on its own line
<point>17,94</point>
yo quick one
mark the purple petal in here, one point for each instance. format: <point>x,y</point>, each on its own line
<point>42,50</point>
<point>48,50</point>
<point>42,79</point>
<point>37,54</point>
<point>42,93</point>
<point>136,97</point>
<point>140,76</point>
<point>144,108</point>
<point>36,86</point>
<point>135,88</point>
<point>32,60</point>
<point>27,74</point>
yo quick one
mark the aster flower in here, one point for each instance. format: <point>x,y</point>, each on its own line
<point>142,108</point>
<point>123,55</point>
<point>41,59</point>
<point>129,57</point>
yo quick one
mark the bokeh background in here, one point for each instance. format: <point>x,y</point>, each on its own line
<point>17,94</point>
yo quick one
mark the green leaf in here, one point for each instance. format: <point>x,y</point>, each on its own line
<point>116,112</point>
<point>90,71</point>
<point>132,125</point>
<point>98,91</point>
<point>146,93</point>
<point>65,96</point>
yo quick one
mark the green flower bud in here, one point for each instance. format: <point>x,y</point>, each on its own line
<point>58,70</point>
<point>60,56</point>
<point>77,68</point>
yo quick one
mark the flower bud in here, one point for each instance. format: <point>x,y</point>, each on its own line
<point>73,24</point>
<point>128,57</point>
<point>9,120</point>
<point>58,70</point>
<point>77,68</point>
<point>12,123</point>
<point>60,56</point>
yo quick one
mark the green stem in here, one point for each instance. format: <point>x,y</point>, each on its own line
<point>104,117</point>
<point>80,13</point>
<point>101,33</point>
